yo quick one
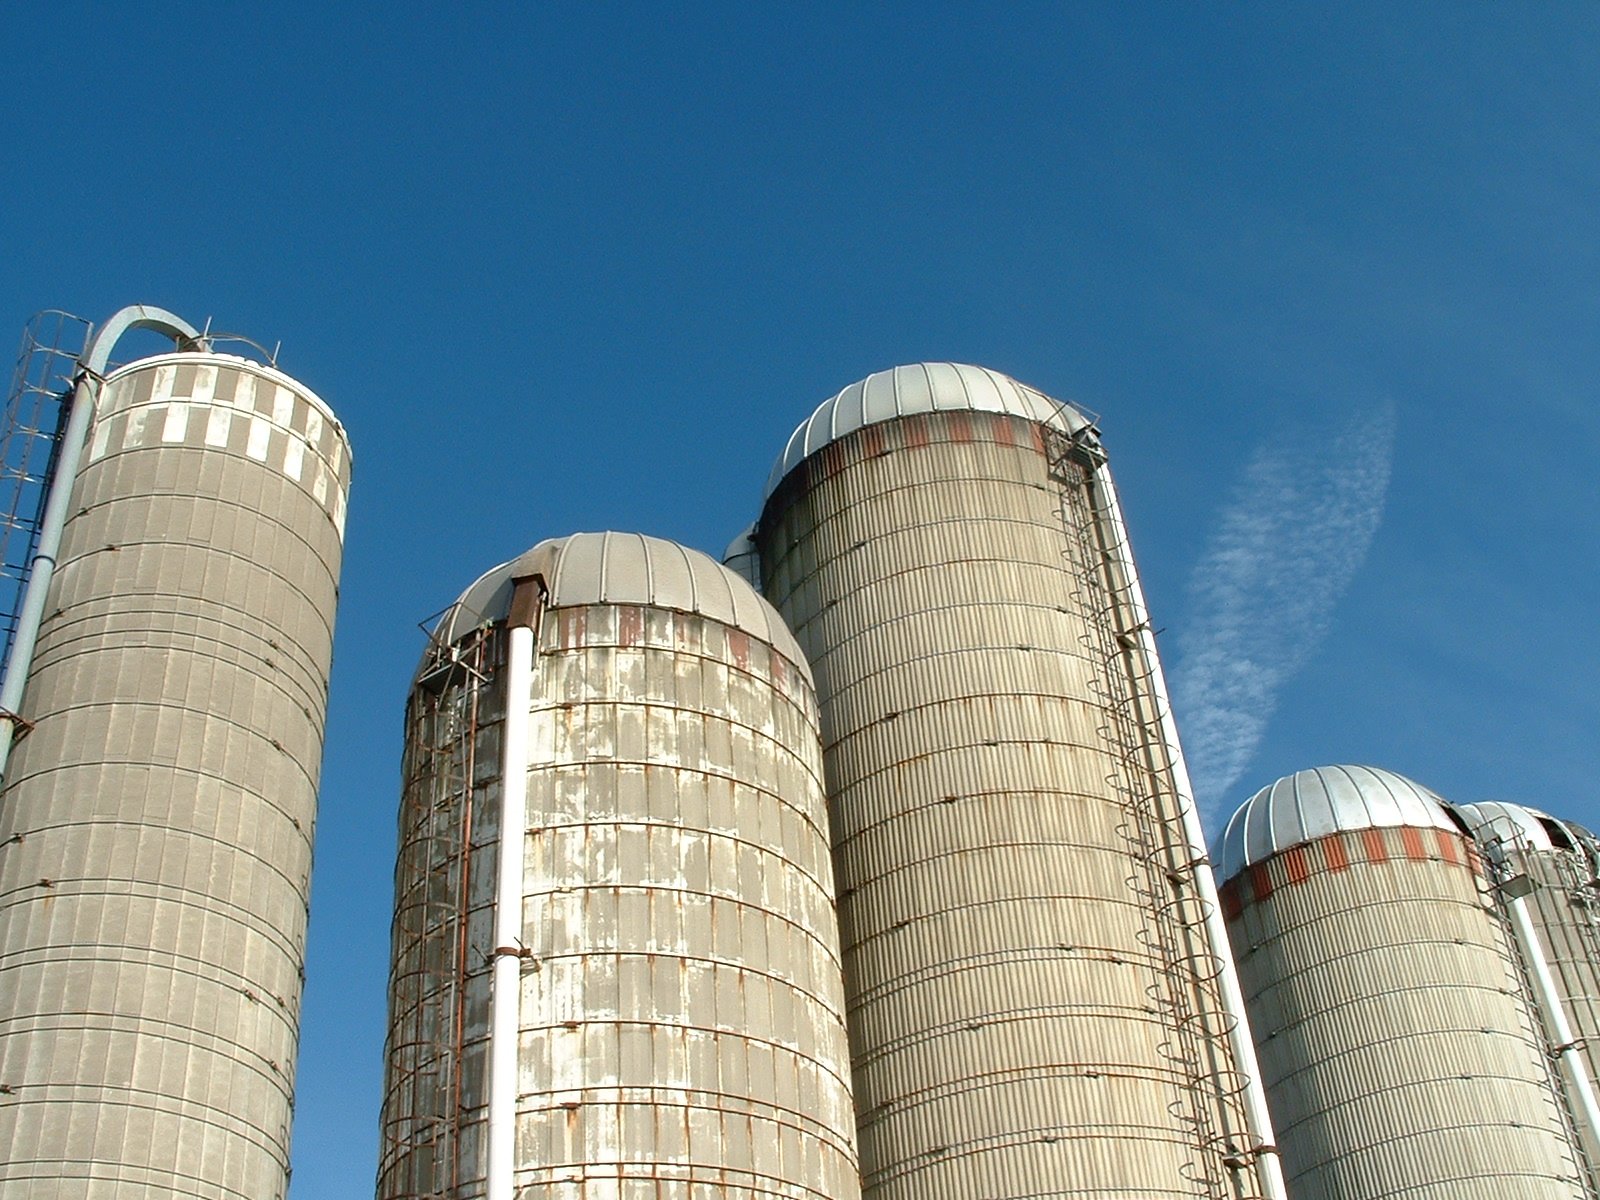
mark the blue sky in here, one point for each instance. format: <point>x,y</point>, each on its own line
<point>577,267</point>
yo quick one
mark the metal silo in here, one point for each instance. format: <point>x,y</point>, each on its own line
<point>1401,1055</point>
<point>639,995</point>
<point>1039,996</point>
<point>1547,883</point>
<point>158,807</point>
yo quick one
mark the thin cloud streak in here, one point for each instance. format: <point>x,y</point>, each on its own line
<point>1261,598</point>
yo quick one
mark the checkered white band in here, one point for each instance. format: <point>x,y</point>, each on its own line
<point>228,407</point>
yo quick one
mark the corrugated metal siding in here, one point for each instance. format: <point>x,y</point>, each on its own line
<point>682,1005</point>
<point>155,829</point>
<point>1020,1026</point>
<point>1398,1049</point>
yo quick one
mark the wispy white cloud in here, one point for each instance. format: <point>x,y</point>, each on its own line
<point>1289,542</point>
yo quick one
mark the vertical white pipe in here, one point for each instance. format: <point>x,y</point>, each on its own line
<point>1259,1120</point>
<point>506,985</point>
<point>1565,1050</point>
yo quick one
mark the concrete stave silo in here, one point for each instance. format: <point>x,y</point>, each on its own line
<point>666,1016</point>
<point>1035,968</point>
<point>1546,876</point>
<point>157,816</point>
<point>1401,1054</point>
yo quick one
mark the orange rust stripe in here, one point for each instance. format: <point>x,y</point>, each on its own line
<point>1260,881</point>
<point>1296,865</point>
<point>1372,842</point>
<point>832,459</point>
<point>1335,853</point>
<point>1232,904</point>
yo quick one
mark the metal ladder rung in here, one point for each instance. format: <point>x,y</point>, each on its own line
<point>35,408</point>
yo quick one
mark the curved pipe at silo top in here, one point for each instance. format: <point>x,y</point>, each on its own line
<point>1399,1044</point>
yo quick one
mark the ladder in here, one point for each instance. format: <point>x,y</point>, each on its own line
<point>30,435</point>
<point>1183,992</point>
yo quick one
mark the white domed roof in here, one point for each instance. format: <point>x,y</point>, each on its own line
<point>919,388</point>
<point>623,568</point>
<point>743,557</point>
<point>1312,804</point>
<point>1493,820</point>
<point>1502,826</point>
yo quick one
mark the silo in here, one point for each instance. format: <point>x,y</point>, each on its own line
<point>1037,982</point>
<point>639,995</point>
<point>1401,1056</point>
<point>1547,884</point>
<point>157,814</point>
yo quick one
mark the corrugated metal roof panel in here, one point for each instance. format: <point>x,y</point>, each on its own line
<point>919,388</point>
<point>1312,804</point>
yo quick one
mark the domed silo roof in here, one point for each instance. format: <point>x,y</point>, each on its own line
<point>743,557</point>
<point>1311,804</point>
<point>1494,820</point>
<point>1497,823</point>
<point>622,568</point>
<point>920,388</point>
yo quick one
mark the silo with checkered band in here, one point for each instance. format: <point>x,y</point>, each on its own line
<point>158,810</point>
<point>1398,1040</point>
<point>1040,997</point>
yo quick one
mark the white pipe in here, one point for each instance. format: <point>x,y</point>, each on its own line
<point>1239,1039</point>
<point>1565,1049</point>
<point>506,984</point>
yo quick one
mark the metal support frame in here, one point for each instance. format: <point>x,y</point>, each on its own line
<point>69,455</point>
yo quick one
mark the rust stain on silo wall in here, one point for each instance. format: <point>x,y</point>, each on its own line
<point>681,1006</point>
